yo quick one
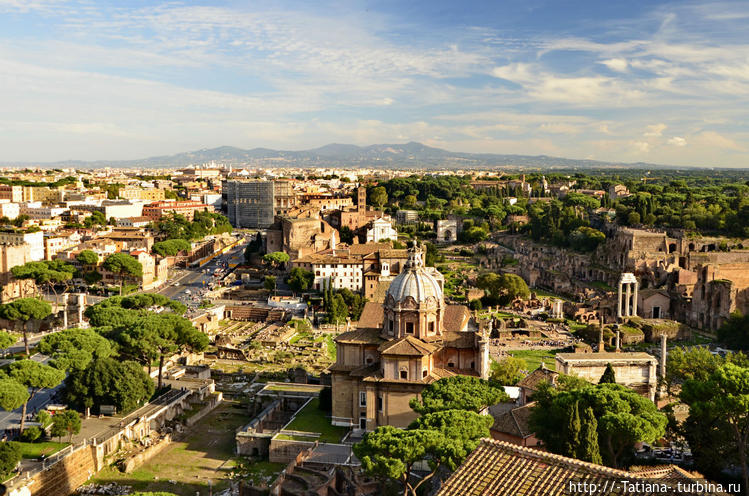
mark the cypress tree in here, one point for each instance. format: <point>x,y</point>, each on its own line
<point>573,431</point>
<point>588,450</point>
<point>608,376</point>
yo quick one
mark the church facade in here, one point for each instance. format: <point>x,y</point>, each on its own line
<point>401,345</point>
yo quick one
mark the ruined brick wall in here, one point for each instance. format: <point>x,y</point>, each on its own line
<point>67,475</point>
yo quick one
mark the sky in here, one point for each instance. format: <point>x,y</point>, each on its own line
<point>659,82</point>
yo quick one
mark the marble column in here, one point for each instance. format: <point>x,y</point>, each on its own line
<point>619,305</point>
<point>627,308</point>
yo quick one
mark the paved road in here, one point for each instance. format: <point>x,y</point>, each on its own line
<point>39,401</point>
<point>190,284</point>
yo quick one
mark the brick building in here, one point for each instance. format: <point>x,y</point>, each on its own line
<point>401,346</point>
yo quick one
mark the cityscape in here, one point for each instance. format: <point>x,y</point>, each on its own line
<point>509,260</point>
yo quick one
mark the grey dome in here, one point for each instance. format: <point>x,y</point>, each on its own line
<point>415,281</point>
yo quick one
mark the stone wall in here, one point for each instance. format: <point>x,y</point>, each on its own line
<point>284,451</point>
<point>145,455</point>
<point>64,477</point>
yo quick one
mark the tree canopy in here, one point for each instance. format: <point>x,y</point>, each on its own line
<point>719,410</point>
<point>624,418</point>
<point>35,376</point>
<point>276,259</point>
<point>508,371</point>
<point>459,392</point>
<point>74,348</point>
<point>300,279</point>
<point>171,247</point>
<point>107,381</point>
<point>66,422</point>
<point>503,288</point>
<point>25,311</point>
<point>7,339</point>
<point>735,332</point>
<point>123,265</point>
<point>87,257</point>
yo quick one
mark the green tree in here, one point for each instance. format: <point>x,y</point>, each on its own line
<point>12,394</point>
<point>338,311</point>
<point>66,422</point>
<point>503,288</point>
<point>378,196</point>
<point>269,283</point>
<point>721,403</point>
<point>573,428</point>
<point>171,247</point>
<point>461,433</point>
<point>7,340</point>
<point>508,371</point>
<point>74,348</point>
<point>48,272</point>
<point>624,418</point>
<point>92,277</point>
<point>123,266</point>
<point>107,381</point>
<point>276,259</point>
<point>35,376</point>
<point>26,312</point>
<point>735,332</point>
<point>87,257</point>
<point>166,334</point>
<point>608,377</point>
<point>10,455</point>
<point>300,279</point>
<point>459,392</point>
<point>389,452</point>
<point>588,450</point>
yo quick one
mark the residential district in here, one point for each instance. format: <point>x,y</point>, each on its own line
<point>255,331</point>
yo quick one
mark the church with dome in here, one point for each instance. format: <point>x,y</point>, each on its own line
<point>404,341</point>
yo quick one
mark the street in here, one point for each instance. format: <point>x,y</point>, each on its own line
<point>191,284</point>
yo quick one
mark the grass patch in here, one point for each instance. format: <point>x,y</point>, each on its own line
<point>205,453</point>
<point>600,285</point>
<point>292,437</point>
<point>312,419</point>
<point>533,358</point>
<point>576,326</point>
<point>542,293</point>
<point>35,450</point>
<point>295,388</point>
<point>258,472</point>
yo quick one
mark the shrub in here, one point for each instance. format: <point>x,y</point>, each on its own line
<point>31,434</point>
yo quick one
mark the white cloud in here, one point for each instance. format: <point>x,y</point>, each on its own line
<point>617,64</point>
<point>677,141</point>
<point>654,130</point>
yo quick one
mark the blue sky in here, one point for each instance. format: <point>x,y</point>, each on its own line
<point>622,81</point>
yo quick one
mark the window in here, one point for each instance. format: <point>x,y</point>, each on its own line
<point>379,403</point>
<point>404,374</point>
<point>362,398</point>
<point>409,327</point>
<point>424,373</point>
<point>450,364</point>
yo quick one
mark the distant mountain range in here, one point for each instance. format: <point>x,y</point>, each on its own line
<point>409,155</point>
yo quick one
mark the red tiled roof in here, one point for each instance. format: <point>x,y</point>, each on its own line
<point>497,468</point>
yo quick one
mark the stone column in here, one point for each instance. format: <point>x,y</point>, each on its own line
<point>663,355</point>
<point>634,303</point>
<point>618,341</point>
<point>65,311</point>
<point>627,308</point>
<point>81,307</point>
<point>619,302</point>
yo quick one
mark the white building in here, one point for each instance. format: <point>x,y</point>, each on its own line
<point>37,211</point>
<point>34,240</point>
<point>381,229</point>
<point>9,209</point>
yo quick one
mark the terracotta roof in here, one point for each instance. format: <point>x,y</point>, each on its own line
<point>381,291</point>
<point>457,339</point>
<point>497,468</point>
<point>367,248</point>
<point>513,421</point>
<point>609,356</point>
<point>360,336</point>
<point>407,346</point>
<point>541,374</point>
<point>456,317</point>
<point>371,316</point>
